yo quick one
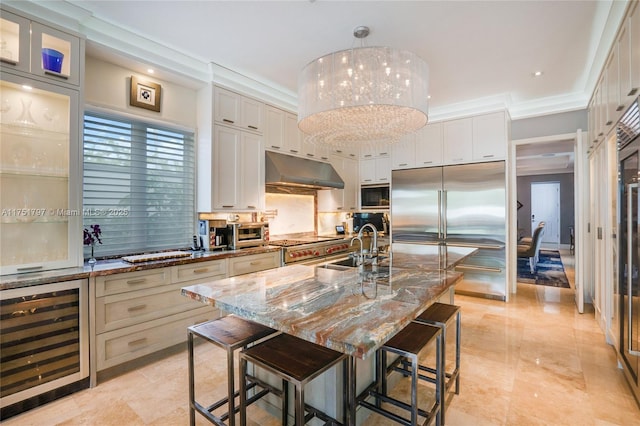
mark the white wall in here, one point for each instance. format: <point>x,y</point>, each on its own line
<point>107,86</point>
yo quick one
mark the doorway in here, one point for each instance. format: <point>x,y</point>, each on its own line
<point>545,207</point>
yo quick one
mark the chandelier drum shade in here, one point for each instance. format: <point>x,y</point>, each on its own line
<point>363,95</point>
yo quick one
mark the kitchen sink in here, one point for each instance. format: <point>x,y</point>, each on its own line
<point>368,270</point>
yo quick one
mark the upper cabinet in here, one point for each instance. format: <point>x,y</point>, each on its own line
<point>458,141</point>
<point>619,82</point>
<point>473,139</point>
<point>41,50</point>
<point>233,109</point>
<point>489,137</point>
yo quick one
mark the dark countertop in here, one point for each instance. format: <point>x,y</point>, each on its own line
<point>118,266</point>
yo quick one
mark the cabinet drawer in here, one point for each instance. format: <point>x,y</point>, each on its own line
<point>253,263</point>
<point>129,343</point>
<point>194,271</point>
<point>123,310</point>
<point>130,281</point>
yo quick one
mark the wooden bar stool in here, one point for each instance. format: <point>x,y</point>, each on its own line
<point>441,315</point>
<point>408,343</point>
<point>295,361</point>
<point>229,333</point>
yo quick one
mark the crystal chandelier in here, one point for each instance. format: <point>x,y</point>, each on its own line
<point>363,95</point>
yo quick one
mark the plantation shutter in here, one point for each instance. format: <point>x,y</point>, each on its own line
<point>138,185</point>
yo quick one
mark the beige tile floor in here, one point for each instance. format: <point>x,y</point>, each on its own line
<point>532,361</point>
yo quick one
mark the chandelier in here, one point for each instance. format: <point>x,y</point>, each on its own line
<point>363,95</point>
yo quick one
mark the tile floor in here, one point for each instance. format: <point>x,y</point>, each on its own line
<point>532,361</point>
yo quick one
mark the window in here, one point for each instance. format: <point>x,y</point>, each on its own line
<point>138,184</point>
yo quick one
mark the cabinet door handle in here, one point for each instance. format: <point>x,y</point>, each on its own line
<point>608,123</point>
<point>383,178</point>
<point>137,342</point>
<point>339,208</point>
<point>251,207</point>
<point>226,120</point>
<point>200,271</point>
<point>427,162</point>
<point>367,155</point>
<point>136,308</point>
<point>367,180</point>
<point>30,268</point>
<point>255,262</point>
<point>55,74</point>
<point>339,151</point>
<point>275,147</point>
<point>488,156</point>
<point>620,108</point>
<point>226,207</point>
<point>632,91</point>
<point>252,127</point>
<point>295,151</point>
<point>457,159</point>
<point>310,155</point>
<point>137,281</point>
<point>402,164</point>
<point>384,153</point>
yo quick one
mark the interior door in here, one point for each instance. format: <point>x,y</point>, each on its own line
<point>545,207</point>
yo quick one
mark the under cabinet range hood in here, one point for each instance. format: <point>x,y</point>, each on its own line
<point>287,170</point>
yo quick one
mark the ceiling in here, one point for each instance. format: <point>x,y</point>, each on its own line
<point>481,54</point>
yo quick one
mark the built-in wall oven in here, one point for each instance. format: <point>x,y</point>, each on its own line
<point>627,294</point>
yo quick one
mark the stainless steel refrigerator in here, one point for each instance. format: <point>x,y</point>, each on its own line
<point>462,205</point>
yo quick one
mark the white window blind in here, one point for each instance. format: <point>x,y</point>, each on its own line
<point>138,185</point>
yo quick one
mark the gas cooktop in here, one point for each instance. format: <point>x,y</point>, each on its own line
<point>297,242</point>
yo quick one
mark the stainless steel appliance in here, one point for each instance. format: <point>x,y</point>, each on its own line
<point>374,197</point>
<point>379,220</point>
<point>213,233</point>
<point>247,234</point>
<point>45,344</point>
<point>311,250</point>
<point>627,293</point>
<point>462,205</point>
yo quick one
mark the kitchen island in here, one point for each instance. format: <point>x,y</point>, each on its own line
<point>349,310</point>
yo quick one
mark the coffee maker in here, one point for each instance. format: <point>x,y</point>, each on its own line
<point>214,234</point>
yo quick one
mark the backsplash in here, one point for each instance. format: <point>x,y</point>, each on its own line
<point>295,213</point>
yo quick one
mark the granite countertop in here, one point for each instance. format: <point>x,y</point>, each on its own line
<point>118,266</point>
<point>340,309</point>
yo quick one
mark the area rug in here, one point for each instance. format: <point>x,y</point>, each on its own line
<point>549,272</point>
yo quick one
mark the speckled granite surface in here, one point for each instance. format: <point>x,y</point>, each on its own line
<point>340,309</point>
<point>118,266</point>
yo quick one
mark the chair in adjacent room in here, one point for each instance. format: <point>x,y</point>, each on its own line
<point>531,250</point>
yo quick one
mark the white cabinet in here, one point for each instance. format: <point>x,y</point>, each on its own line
<point>403,153</point>
<point>335,200</point>
<point>40,182</point>
<point>458,141</point>
<point>274,129</point>
<point>239,111</point>
<point>292,135</point>
<point>254,263</point>
<point>628,47</point>
<point>27,44</point>
<point>375,170</point>
<point>489,137</point>
<point>138,313</point>
<point>430,145</point>
<point>238,178</point>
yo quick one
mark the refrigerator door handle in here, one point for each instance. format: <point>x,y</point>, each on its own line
<point>443,212</point>
<point>631,268</point>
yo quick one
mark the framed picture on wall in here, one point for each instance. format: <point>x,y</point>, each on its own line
<point>145,94</point>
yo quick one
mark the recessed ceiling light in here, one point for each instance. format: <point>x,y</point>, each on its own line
<point>537,73</point>
<point>27,87</point>
<point>150,71</point>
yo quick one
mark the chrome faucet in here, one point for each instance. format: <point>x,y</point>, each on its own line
<point>359,257</point>
<point>373,248</point>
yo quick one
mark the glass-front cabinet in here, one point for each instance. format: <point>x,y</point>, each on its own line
<point>39,49</point>
<point>40,201</point>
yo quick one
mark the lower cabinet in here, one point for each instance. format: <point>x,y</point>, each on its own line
<point>254,263</point>
<point>142,312</point>
<point>138,313</point>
